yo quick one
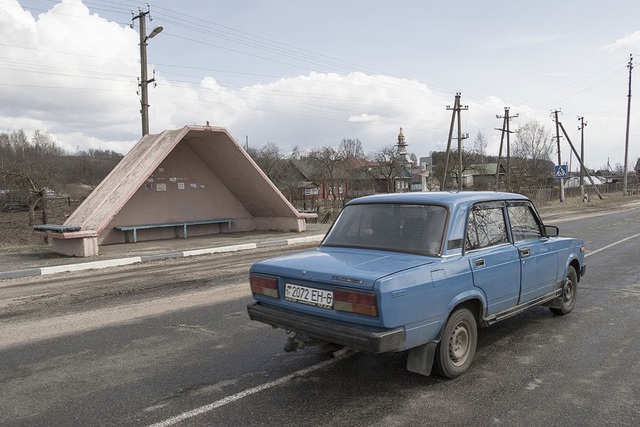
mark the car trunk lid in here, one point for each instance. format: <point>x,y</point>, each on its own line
<point>341,267</point>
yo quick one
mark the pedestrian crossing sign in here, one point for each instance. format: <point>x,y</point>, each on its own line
<point>560,171</point>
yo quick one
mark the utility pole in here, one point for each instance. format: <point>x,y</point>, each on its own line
<point>143,82</point>
<point>505,130</point>
<point>581,129</point>
<point>456,113</point>
<point>626,140</point>
<point>559,157</point>
<point>595,187</point>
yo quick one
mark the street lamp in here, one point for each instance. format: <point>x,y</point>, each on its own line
<point>144,97</point>
<point>155,32</point>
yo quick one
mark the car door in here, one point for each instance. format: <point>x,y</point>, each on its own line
<point>539,261</point>
<point>494,261</point>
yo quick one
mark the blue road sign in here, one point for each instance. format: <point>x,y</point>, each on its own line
<point>560,171</point>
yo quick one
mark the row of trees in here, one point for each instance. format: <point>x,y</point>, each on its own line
<point>32,168</point>
<point>530,162</point>
<point>343,166</point>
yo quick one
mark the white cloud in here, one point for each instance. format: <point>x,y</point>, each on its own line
<point>67,72</point>
<point>631,41</point>
<point>364,118</point>
<point>74,74</point>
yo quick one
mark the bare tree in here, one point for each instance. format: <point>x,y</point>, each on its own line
<point>480,146</point>
<point>351,149</point>
<point>30,169</point>
<point>268,158</point>
<point>389,165</point>
<point>328,163</point>
<point>532,151</point>
<point>88,167</point>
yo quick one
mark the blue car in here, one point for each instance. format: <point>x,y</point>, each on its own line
<point>419,272</point>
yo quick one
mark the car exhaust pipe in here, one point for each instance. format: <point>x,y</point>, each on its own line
<point>297,342</point>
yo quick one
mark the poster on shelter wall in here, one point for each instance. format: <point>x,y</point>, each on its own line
<point>161,186</point>
<point>181,186</point>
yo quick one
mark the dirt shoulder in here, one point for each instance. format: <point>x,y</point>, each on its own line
<point>575,207</point>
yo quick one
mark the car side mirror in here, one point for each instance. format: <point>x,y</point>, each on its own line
<point>551,231</point>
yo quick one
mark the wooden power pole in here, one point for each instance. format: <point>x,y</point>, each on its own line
<point>456,113</point>
<point>581,129</point>
<point>626,140</point>
<point>505,130</point>
<point>555,113</point>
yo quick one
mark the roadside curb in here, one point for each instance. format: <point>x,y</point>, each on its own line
<point>118,262</point>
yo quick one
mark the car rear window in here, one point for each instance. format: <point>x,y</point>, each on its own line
<point>396,227</point>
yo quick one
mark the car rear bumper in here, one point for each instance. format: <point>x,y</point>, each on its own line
<point>357,337</point>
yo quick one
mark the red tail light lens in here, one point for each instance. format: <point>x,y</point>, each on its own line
<point>355,302</point>
<point>264,285</point>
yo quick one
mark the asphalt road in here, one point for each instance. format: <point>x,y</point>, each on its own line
<point>169,343</point>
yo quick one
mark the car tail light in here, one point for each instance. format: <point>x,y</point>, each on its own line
<point>355,302</point>
<point>264,285</point>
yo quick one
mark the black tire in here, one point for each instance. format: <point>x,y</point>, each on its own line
<point>569,293</point>
<point>456,349</point>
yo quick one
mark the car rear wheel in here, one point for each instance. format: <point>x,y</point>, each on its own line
<point>457,348</point>
<point>568,296</point>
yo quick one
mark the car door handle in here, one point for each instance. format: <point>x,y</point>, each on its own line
<point>525,252</point>
<point>479,262</point>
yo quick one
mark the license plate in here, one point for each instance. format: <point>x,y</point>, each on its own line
<point>310,296</point>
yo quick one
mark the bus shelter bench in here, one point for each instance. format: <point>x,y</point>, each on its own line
<point>308,216</point>
<point>55,228</point>
<point>176,225</point>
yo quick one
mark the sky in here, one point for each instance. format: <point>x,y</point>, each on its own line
<point>308,74</point>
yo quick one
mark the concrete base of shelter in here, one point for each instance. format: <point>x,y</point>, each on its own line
<point>83,247</point>
<point>281,224</point>
<point>79,244</point>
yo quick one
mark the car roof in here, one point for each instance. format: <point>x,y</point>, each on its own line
<point>446,198</point>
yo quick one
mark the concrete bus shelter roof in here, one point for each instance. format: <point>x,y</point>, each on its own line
<point>252,197</point>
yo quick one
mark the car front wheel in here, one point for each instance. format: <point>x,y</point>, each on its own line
<point>457,348</point>
<point>568,296</point>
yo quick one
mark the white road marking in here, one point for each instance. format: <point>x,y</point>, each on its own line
<point>230,399</point>
<point>612,245</point>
